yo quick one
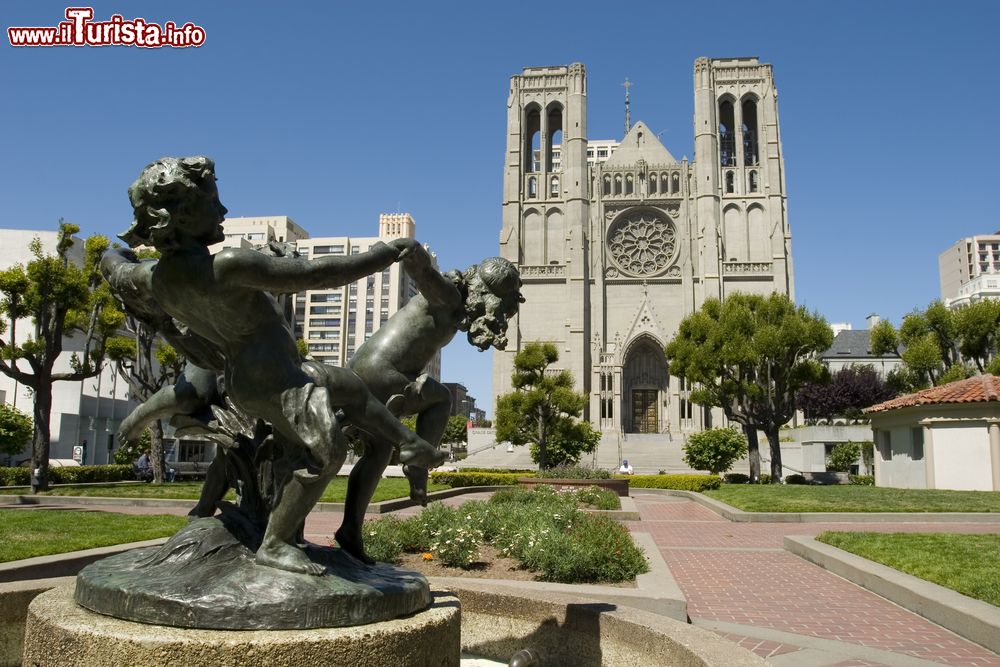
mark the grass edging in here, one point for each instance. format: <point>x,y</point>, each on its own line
<point>741,516</point>
<point>973,619</point>
<point>65,564</point>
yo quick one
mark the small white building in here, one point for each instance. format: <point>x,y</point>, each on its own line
<point>946,437</point>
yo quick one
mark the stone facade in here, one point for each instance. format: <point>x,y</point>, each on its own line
<point>615,253</point>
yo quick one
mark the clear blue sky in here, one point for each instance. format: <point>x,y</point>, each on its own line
<point>333,113</point>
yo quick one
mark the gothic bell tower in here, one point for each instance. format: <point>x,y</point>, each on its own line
<point>741,199</point>
<point>546,212</point>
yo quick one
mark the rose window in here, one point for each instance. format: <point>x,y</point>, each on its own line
<point>642,243</point>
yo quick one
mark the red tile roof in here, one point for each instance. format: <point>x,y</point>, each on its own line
<point>978,389</point>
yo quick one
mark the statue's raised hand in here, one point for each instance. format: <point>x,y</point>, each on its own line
<point>404,247</point>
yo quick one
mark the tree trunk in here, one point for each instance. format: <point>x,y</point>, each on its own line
<point>773,439</point>
<point>543,462</point>
<point>156,452</point>
<point>41,438</point>
<point>753,453</point>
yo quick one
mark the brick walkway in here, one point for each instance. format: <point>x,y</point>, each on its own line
<point>741,583</point>
<point>738,573</point>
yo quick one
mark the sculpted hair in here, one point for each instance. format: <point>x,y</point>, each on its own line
<point>162,191</point>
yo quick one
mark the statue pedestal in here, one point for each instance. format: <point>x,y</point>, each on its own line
<point>60,632</point>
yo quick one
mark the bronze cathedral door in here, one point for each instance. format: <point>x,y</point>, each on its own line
<point>644,414</point>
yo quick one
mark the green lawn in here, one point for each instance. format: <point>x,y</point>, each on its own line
<point>964,563</point>
<point>849,498</point>
<point>388,488</point>
<point>30,533</point>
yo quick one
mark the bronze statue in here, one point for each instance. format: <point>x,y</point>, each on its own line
<point>226,300</point>
<point>391,363</point>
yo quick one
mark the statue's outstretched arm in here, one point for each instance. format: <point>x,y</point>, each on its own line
<point>248,268</point>
<point>434,286</point>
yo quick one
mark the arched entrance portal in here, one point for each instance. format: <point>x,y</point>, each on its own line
<point>645,382</point>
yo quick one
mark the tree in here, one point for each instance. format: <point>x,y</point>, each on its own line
<point>15,430</point>
<point>715,450</point>
<point>455,433</point>
<point>750,355</point>
<point>543,409</point>
<point>63,300</point>
<point>843,456</point>
<point>147,365</point>
<point>848,392</point>
<point>938,345</point>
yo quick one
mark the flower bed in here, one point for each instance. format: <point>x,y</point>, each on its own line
<point>619,486</point>
<point>542,530</point>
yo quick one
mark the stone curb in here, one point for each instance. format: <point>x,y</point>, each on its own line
<point>65,564</point>
<point>739,516</point>
<point>656,591</point>
<point>973,619</point>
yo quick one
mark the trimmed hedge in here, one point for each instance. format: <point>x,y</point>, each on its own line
<point>678,482</point>
<point>457,479</point>
<point>21,476</point>
<point>524,472</point>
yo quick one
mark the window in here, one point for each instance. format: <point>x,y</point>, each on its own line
<point>675,180</point>
<point>730,182</point>
<point>652,184</point>
<point>324,310</point>
<point>628,184</point>
<point>607,185</point>
<point>917,436</point>
<point>324,322</point>
<point>602,152</point>
<point>532,187</point>
<point>753,181</point>
<point>554,187</point>
<point>328,250</point>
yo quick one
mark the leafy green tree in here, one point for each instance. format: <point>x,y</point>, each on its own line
<point>715,450</point>
<point>938,345</point>
<point>62,300</point>
<point>15,430</point>
<point>128,452</point>
<point>543,409</point>
<point>843,456</point>
<point>455,433</point>
<point>750,355</point>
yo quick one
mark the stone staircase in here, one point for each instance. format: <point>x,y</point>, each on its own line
<point>648,454</point>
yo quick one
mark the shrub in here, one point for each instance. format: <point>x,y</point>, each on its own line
<point>596,548</point>
<point>863,480</point>
<point>15,476</point>
<point>795,479</point>
<point>90,474</point>
<point>598,498</point>
<point>383,540</point>
<point>523,472</point>
<point>843,456</point>
<point>458,479</point>
<point>456,545</point>
<point>736,478</point>
<point>688,482</point>
<point>574,472</point>
<point>764,478</point>
<point>715,450</point>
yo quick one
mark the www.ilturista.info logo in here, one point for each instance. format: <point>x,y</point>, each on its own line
<point>81,30</point>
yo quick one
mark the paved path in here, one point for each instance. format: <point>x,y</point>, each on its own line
<point>740,582</point>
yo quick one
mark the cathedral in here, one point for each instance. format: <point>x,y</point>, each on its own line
<point>618,241</point>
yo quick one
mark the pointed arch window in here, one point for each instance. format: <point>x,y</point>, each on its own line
<point>628,184</point>
<point>607,185</point>
<point>618,184</point>
<point>727,134</point>
<point>532,149</point>
<point>753,185</point>
<point>749,128</point>
<point>675,183</point>
<point>532,187</point>
<point>554,186</point>
<point>664,183</point>
<point>652,184</point>
<point>730,182</point>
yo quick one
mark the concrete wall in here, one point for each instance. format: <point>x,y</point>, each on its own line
<point>962,457</point>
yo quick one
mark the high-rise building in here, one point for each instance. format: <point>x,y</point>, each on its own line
<point>970,270</point>
<point>618,241</point>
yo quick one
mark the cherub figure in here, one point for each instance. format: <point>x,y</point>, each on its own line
<point>227,300</point>
<point>391,364</point>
